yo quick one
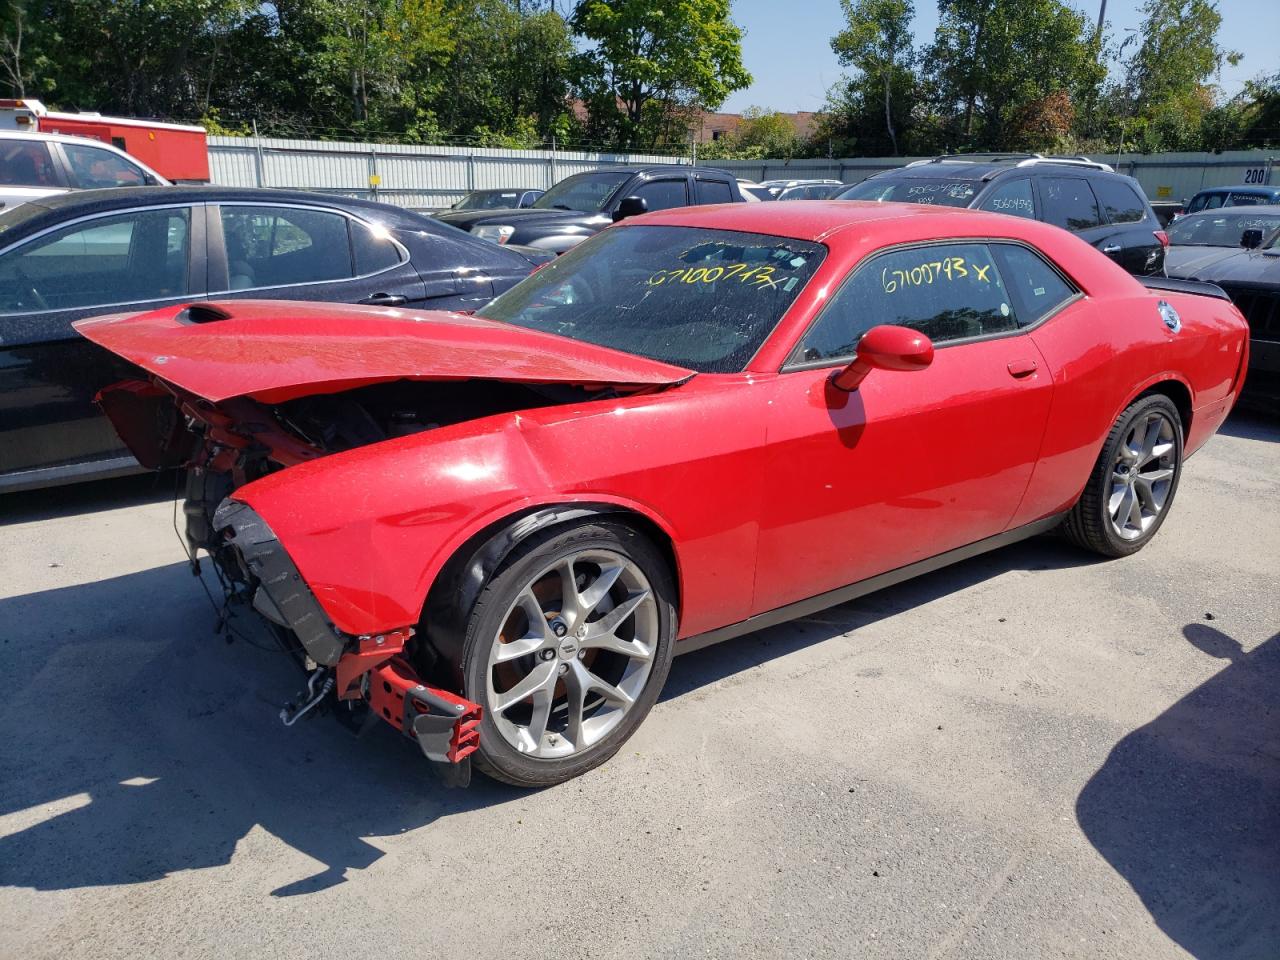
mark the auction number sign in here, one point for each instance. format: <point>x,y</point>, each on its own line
<point>1255,175</point>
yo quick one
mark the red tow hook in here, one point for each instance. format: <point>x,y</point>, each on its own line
<point>445,725</point>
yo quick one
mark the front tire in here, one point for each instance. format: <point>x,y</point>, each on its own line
<point>1132,486</point>
<point>567,649</point>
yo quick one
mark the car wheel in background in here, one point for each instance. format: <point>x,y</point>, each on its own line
<point>567,649</point>
<point>1132,485</point>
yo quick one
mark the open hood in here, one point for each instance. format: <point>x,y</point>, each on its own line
<point>274,350</point>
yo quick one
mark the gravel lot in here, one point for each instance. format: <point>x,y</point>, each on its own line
<point>1031,754</point>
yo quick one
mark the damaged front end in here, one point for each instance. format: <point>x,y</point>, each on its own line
<point>237,392</point>
<point>372,670</point>
<point>224,446</point>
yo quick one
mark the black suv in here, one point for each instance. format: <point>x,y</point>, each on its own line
<point>1107,209</point>
<point>586,203</point>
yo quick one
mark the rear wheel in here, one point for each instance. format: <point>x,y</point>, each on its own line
<point>567,649</point>
<point>1133,483</point>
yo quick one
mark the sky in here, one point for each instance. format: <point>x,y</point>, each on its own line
<point>787,47</point>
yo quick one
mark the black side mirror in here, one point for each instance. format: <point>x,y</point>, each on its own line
<point>1251,239</point>
<point>630,207</point>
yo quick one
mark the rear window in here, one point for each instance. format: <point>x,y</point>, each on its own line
<point>1247,200</point>
<point>947,193</point>
<point>1120,201</point>
<point>1216,230</point>
<point>26,163</point>
<point>703,299</point>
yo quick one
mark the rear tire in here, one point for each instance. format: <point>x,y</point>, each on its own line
<point>1132,486</point>
<point>580,620</point>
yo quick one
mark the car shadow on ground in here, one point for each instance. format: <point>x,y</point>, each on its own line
<point>134,744</point>
<point>53,502</point>
<point>1187,808</point>
<point>711,664</point>
<point>1253,423</point>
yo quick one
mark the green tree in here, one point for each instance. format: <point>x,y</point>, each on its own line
<point>1167,93</point>
<point>761,133</point>
<point>876,42</point>
<point>649,62</point>
<point>992,60</point>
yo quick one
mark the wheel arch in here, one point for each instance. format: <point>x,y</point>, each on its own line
<point>1178,393</point>
<point>472,563</point>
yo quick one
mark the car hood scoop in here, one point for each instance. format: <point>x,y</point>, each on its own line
<point>274,351</point>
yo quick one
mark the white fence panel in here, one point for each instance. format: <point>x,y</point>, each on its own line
<point>421,177</point>
<point>426,177</point>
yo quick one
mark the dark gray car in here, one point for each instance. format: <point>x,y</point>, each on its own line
<point>1248,270</point>
<point>582,205</point>
<point>1104,208</point>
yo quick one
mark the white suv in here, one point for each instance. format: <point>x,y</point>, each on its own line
<point>34,165</point>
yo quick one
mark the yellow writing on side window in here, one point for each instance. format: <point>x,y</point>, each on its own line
<point>760,275</point>
<point>948,269</point>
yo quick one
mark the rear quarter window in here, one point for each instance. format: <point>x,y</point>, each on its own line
<point>1120,201</point>
<point>713,191</point>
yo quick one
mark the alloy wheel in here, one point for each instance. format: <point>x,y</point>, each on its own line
<point>1142,475</point>
<point>573,654</point>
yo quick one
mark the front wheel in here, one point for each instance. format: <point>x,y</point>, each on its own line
<point>1132,485</point>
<point>567,649</point>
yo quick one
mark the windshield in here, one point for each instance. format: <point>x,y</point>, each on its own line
<point>947,193</point>
<point>588,192</point>
<point>489,200</point>
<point>1215,230</point>
<point>698,298</point>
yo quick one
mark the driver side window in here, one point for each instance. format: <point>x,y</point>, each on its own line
<point>95,168</point>
<point>950,291</point>
<point>129,258</point>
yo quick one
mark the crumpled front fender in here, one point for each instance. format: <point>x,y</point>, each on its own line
<point>370,529</point>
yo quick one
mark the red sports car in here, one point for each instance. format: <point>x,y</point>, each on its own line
<point>494,531</point>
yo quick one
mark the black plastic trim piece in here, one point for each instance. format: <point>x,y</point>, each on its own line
<point>803,608</point>
<point>1174,285</point>
<point>277,576</point>
<point>447,624</point>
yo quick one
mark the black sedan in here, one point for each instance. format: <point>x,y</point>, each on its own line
<point>76,255</point>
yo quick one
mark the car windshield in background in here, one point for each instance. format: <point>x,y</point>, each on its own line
<point>588,192</point>
<point>1248,200</point>
<point>947,193</point>
<point>1212,230</point>
<point>703,299</point>
<point>484,200</point>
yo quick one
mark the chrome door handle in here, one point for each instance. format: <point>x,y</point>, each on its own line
<point>1112,248</point>
<point>384,300</point>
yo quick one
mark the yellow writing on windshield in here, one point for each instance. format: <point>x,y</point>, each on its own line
<point>760,275</point>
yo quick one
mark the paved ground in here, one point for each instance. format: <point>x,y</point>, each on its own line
<point>1031,754</point>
